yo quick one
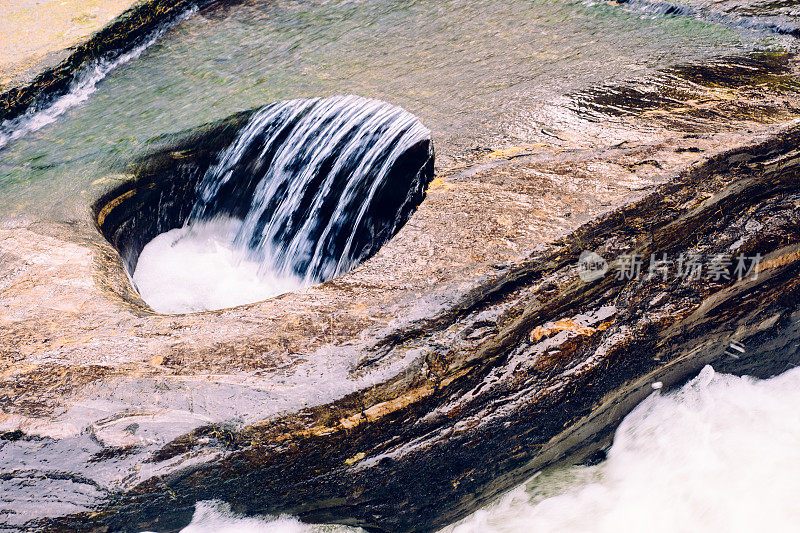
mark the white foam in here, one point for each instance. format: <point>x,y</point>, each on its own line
<point>720,454</point>
<point>198,268</point>
<point>217,517</point>
<point>83,84</point>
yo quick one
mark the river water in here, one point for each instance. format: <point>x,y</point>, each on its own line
<point>720,454</point>
<point>723,453</point>
<point>476,72</point>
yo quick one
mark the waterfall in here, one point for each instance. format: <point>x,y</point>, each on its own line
<point>320,184</point>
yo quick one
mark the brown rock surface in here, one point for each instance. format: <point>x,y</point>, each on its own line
<point>377,397</point>
<point>46,43</point>
<point>34,30</point>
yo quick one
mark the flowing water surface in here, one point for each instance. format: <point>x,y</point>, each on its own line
<point>721,452</point>
<point>475,72</point>
<point>319,183</point>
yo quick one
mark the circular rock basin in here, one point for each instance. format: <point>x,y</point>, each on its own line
<point>269,201</point>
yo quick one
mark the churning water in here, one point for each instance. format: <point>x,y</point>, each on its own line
<point>330,186</point>
<point>720,454</point>
<point>198,267</point>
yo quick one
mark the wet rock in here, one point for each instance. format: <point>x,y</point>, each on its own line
<point>380,403</point>
<point>37,88</point>
<point>465,355</point>
<point>762,87</point>
<point>777,16</point>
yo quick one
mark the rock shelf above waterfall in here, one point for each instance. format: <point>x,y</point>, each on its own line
<point>468,335</point>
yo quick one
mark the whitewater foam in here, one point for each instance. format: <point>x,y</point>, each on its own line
<point>217,517</point>
<point>720,454</point>
<point>332,183</point>
<point>199,268</point>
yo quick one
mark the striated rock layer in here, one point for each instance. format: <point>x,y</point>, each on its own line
<point>465,355</point>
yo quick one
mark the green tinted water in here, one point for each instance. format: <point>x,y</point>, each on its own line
<point>474,71</point>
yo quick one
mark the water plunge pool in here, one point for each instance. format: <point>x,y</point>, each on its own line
<point>303,192</point>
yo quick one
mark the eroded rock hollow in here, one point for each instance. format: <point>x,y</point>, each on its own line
<point>322,183</point>
<point>396,417</point>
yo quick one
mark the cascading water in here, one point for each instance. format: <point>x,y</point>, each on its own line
<point>320,166</point>
<point>308,189</point>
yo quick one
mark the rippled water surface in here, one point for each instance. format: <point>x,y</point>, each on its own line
<point>477,73</point>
